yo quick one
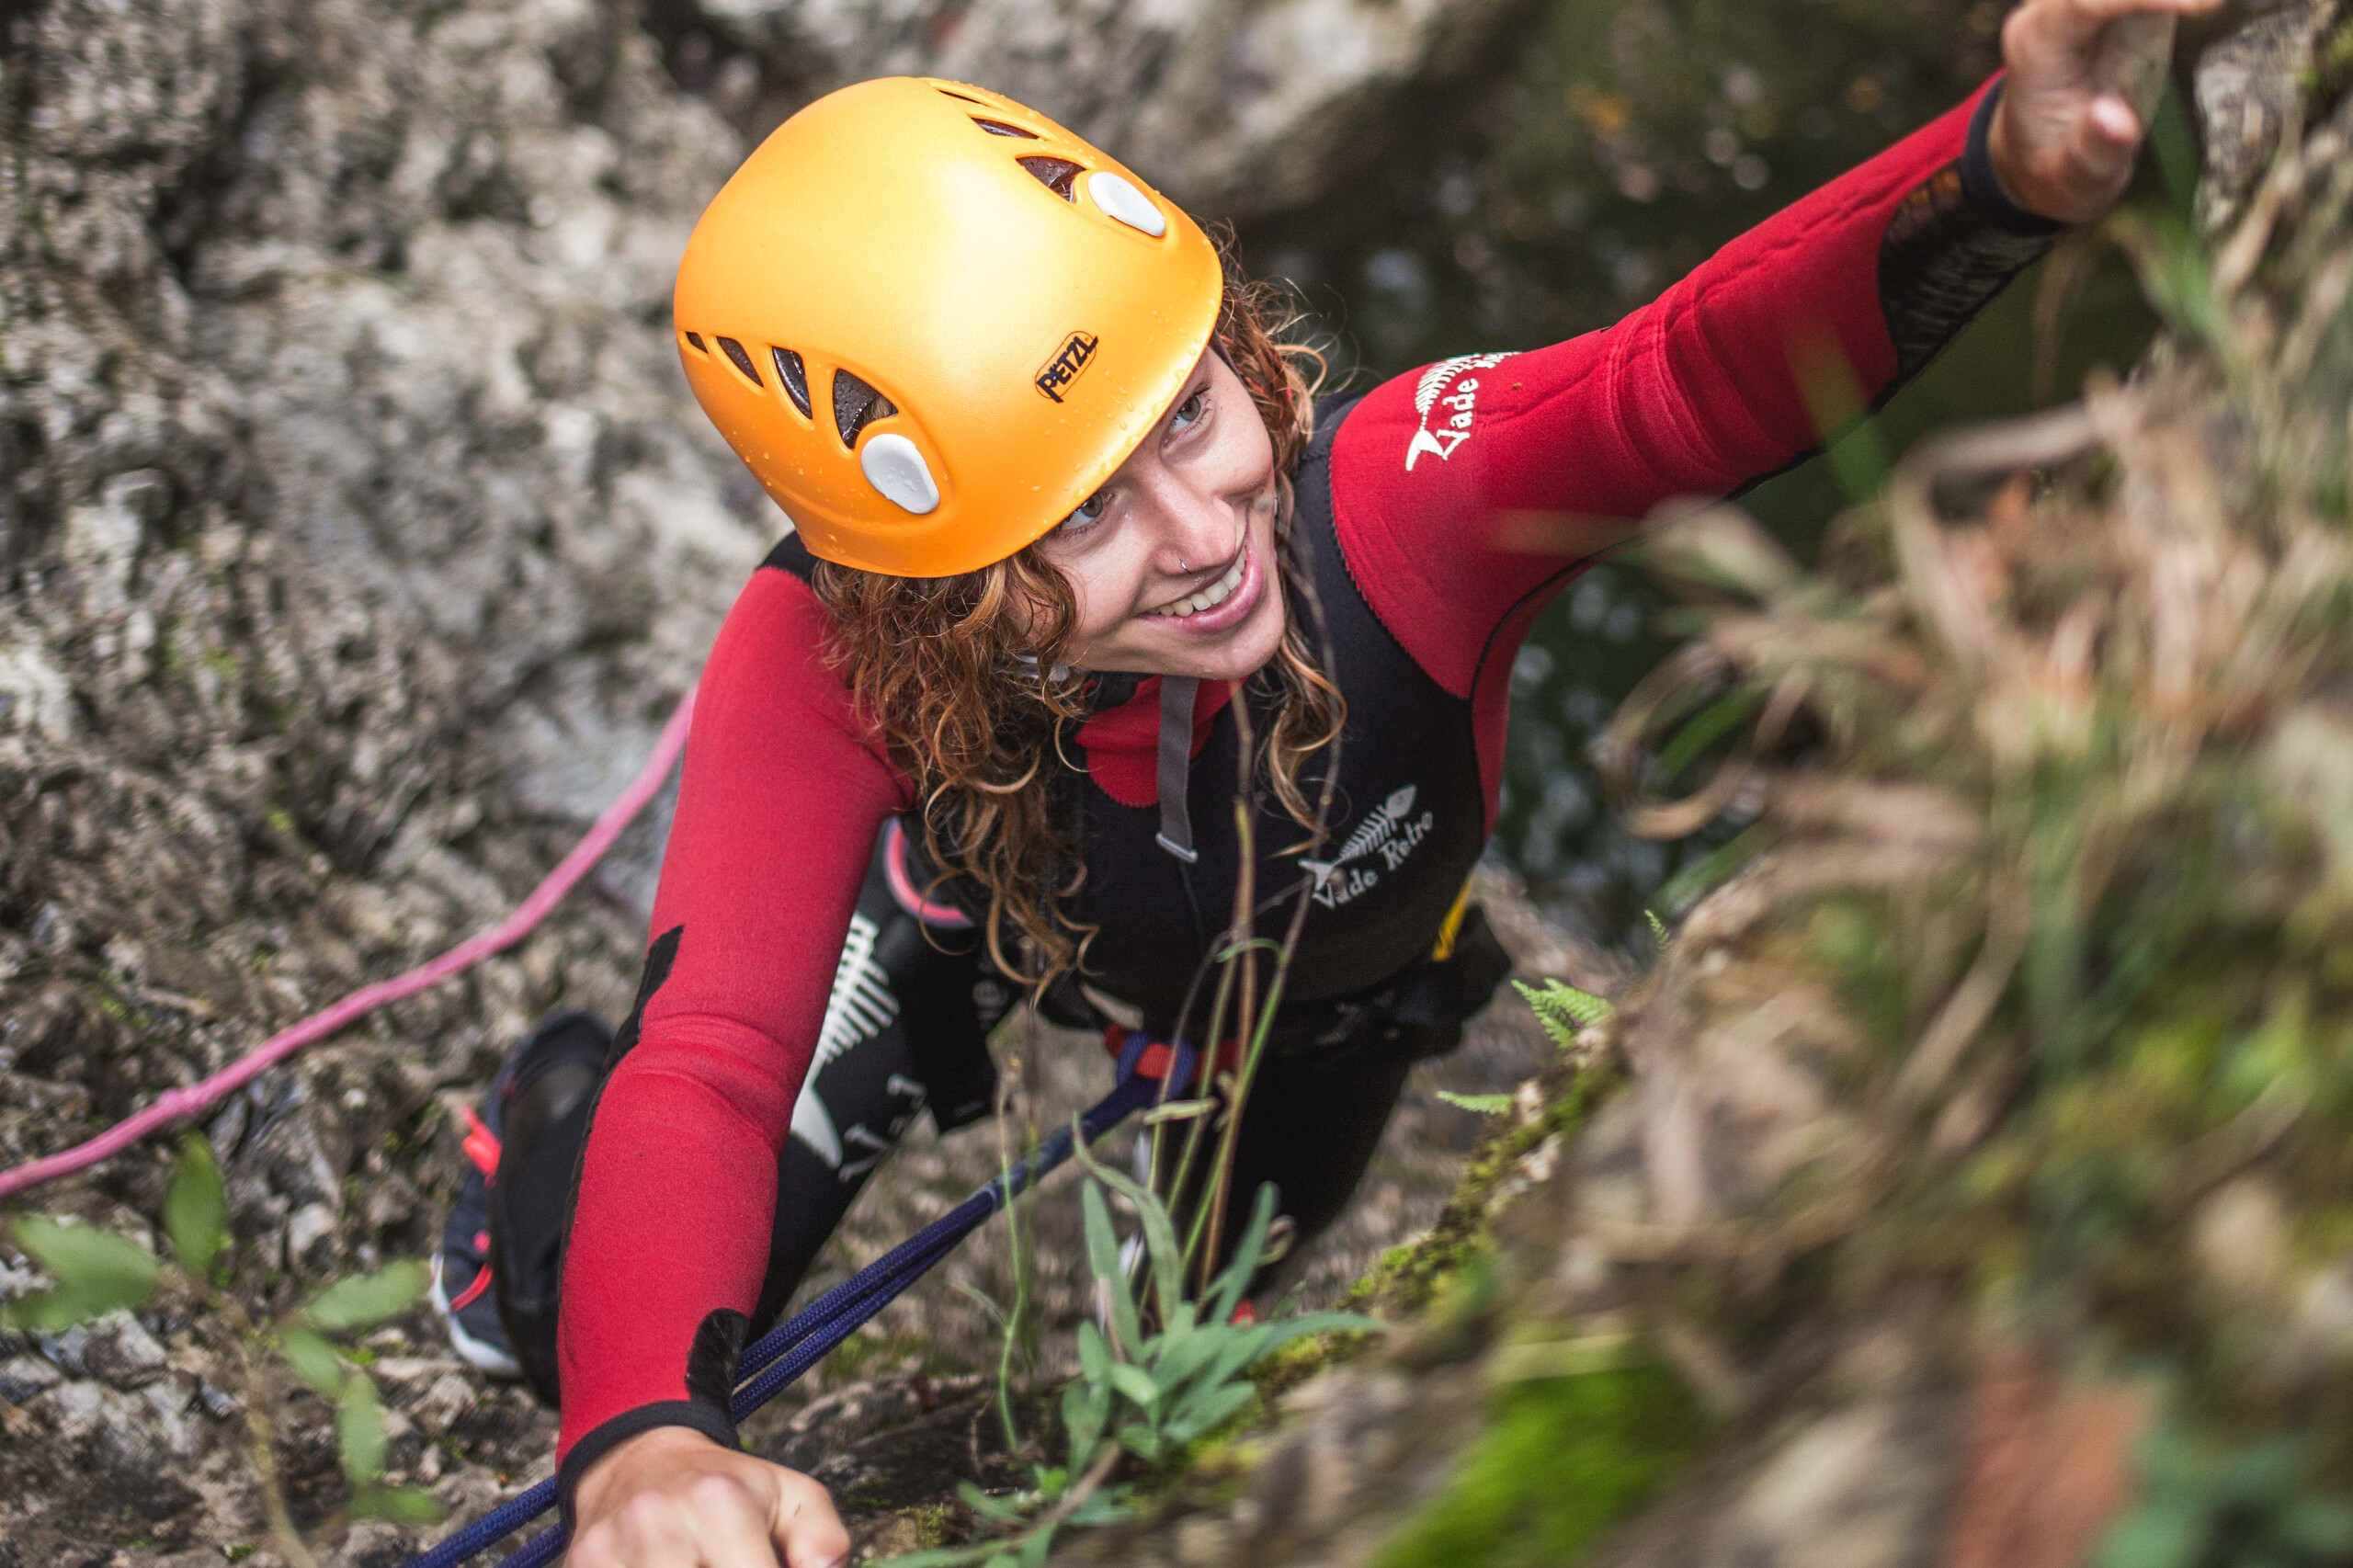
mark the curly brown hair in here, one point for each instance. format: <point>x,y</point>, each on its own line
<point>959,679</point>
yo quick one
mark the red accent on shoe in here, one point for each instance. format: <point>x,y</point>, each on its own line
<point>481,1146</point>
<point>481,1282</point>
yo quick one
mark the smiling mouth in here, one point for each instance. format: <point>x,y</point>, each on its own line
<point>1216,594</point>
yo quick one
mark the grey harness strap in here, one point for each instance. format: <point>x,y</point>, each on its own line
<point>1175,761</point>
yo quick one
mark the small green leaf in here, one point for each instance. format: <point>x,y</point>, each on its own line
<point>1141,1440</point>
<point>1085,1408</point>
<point>1242,1348</point>
<point>402,1505</point>
<point>1103,1261</point>
<point>195,1213</point>
<point>365,1299</point>
<point>1209,1410</point>
<point>1159,1232</point>
<point>359,1425</point>
<point>1485,1105</point>
<point>47,1312</point>
<point>1285,1330</point>
<point>1179,1361</point>
<point>313,1361</point>
<point>1226,1290</point>
<point>1135,1383</point>
<point>97,1272</point>
<point>1094,1355</point>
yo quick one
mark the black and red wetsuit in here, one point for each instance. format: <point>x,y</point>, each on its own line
<point>1405,505</point>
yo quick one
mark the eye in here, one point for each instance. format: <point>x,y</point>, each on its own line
<point>1190,412</point>
<point>1084,516</point>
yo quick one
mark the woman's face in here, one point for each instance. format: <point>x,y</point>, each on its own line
<point>1173,561</point>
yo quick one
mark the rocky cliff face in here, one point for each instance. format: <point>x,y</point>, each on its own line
<point>357,535</point>
<point>1238,110</point>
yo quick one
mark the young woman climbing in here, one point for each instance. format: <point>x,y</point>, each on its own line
<point>1058,497</point>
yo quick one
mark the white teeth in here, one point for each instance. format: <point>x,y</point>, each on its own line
<point>1212,597</point>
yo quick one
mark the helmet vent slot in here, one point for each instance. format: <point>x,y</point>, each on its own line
<point>795,377</point>
<point>740,360</point>
<point>696,338</point>
<point>857,405</point>
<point>1057,175</point>
<point>999,127</point>
<point>965,98</point>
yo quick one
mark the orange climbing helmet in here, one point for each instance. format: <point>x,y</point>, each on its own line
<point>934,322</point>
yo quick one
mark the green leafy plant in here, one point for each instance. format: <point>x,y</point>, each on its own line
<point>1485,1105</point>
<point>97,1271</point>
<point>1141,1396</point>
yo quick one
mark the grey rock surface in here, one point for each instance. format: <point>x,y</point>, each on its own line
<point>1237,111</point>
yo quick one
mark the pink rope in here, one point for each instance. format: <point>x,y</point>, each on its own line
<point>185,1102</point>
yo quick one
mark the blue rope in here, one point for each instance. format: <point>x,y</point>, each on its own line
<point>785,1352</point>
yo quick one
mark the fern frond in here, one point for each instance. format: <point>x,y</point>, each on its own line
<point>1562,1010</point>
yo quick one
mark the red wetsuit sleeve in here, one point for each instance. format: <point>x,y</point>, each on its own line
<point>781,796</point>
<point>1464,494</point>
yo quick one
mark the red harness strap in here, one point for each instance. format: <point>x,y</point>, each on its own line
<point>1154,1062</point>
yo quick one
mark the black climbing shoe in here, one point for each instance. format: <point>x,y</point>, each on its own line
<point>552,1072</point>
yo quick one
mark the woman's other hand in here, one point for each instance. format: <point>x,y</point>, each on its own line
<point>2082,76</point>
<point>672,1498</point>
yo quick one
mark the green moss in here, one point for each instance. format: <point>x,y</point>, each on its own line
<point>1408,1277</point>
<point>1562,1461</point>
<point>937,1525</point>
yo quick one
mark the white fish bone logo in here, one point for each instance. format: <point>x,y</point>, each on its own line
<point>1384,820</point>
<point>1454,410</point>
<point>861,1007</point>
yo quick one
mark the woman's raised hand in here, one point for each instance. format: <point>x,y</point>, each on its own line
<point>2082,76</point>
<point>672,1498</point>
